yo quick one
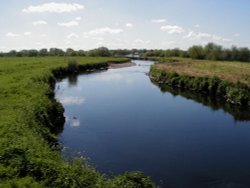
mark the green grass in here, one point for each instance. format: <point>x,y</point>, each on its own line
<point>225,70</point>
<point>29,156</point>
<point>230,80</point>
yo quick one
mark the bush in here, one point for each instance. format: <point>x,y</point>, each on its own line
<point>72,65</point>
<point>131,180</point>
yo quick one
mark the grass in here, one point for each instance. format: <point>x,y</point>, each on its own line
<point>29,152</point>
<point>229,80</point>
<point>224,70</point>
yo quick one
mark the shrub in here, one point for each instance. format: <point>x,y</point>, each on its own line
<point>72,65</point>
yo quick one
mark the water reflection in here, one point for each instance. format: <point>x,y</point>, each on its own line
<point>71,100</point>
<point>73,121</point>
<point>108,77</point>
<point>215,103</point>
<point>73,79</point>
<point>122,122</point>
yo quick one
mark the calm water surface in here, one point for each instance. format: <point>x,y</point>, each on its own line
<point>122,122</point>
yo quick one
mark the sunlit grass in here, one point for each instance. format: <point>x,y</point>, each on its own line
<point>231,71</point>
<point>28,112</point>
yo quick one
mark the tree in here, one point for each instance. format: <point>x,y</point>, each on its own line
<point>196,52</point>
<point>102,52</point>
<point>43,52</point>
<point>33,53</point>
<point>244,54</point>
<point>81,53</point>
<point>213,51</point>
<point>56,52</point>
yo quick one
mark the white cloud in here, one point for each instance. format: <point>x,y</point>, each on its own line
<point>27,33</point>
<point>207,37</point>
<point>78,18</point>
<point>236,34</point>
<point>158,21</point>
<point>54,8</point>
<point>3,47</point>
<point>39,22</point>
<point>10,34</point>
<point>226,40</point>
<point>68,24</point>
<point>129,25</point>
<point>104,30</point>
<point>193,35</point>
<point>140,41</point>
<point>172,29</point>
<point>72,35</point>
<point>197,26</point>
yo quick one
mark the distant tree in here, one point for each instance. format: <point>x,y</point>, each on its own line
<point>71,52</point>
<point>120,52</point>
<point>43,52</point>
<point>234,53</point>
<point>23,53</point>
<point>102,52</point>
<point>81,53</point>
<point>33,53</point>
<point>244,54</point>
<point>12,53</point>
<point>196,52</point>
<point>227,55</point>
<point>213,51</point>
<point>56,52</point>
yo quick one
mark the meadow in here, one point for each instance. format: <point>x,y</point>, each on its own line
<point>30,154</point>
<point>230,80</point>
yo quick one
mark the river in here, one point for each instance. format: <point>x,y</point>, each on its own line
<point>120,121</point>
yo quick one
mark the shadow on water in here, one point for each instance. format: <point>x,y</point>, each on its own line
<point>215,103</point>
<point>73,79</point>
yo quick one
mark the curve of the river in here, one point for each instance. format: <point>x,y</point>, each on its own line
<point>121,121</point>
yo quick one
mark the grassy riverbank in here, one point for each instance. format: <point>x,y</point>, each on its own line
<point>29,152</point>
<point>230,80</point>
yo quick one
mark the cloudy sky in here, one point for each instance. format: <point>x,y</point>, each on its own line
<point>152,24</point>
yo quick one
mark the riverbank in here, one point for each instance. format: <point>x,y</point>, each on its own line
<point>29,151</point>
<point>114,65</point>
<point>228,80</point>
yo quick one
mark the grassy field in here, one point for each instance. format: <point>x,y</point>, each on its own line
<point>227,79</point>
<point>231,71</point>
<point>29,156</point>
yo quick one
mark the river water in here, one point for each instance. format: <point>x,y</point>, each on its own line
<point>121,121</point>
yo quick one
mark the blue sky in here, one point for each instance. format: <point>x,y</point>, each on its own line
<point>152,24</point>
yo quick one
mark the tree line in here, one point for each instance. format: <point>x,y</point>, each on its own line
<point>102,51</point>
<point>216,52</point>
<point>210,51</point>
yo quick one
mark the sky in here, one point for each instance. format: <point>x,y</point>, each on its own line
<point>150,24</point>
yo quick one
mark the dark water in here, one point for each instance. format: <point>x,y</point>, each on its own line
<point>121,122</point>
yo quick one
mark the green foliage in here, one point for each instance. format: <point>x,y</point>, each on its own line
<point>72,65</point>
<point>216,52</point>
<point>26,182</point>
<point>196,52</point>
<point>100,52</point>
<point>237,93</point>
<point>131,180</point>
<point>29,152</point>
